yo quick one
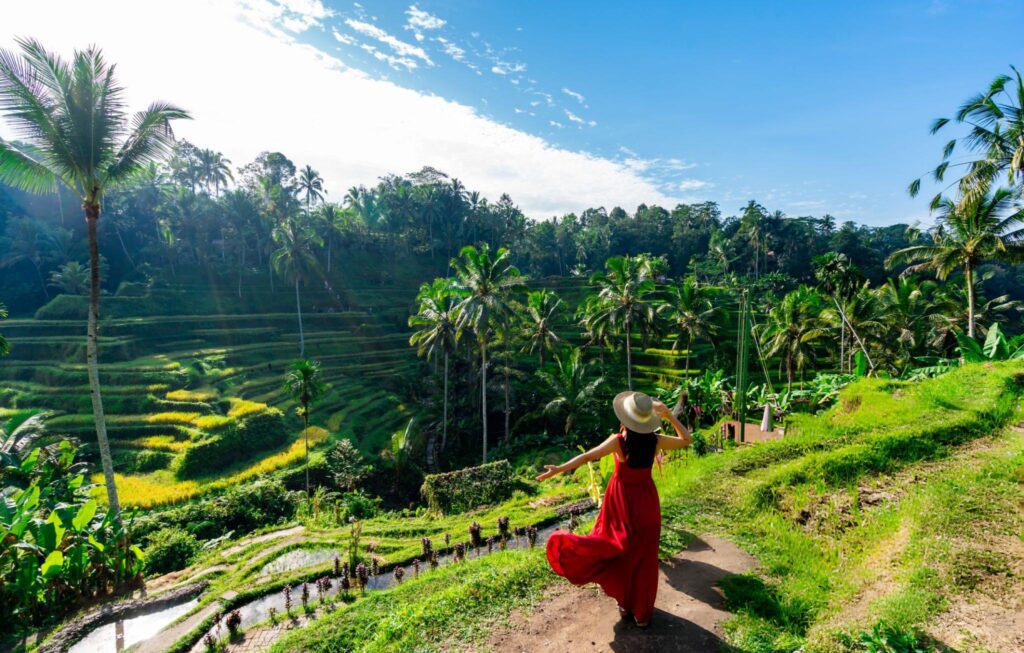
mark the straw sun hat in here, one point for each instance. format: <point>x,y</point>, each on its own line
<point>636,411</point>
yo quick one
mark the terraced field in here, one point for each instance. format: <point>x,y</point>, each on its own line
<point>171,381</point>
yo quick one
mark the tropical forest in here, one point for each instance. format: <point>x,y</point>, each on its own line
<point>253,404</point>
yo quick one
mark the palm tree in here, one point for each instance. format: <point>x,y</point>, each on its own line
<point>71,278</point>
<point>840,279</point>
<point>541,313</point>
<point>692,314</point>
<point>624,301</point>
<point>5,347</point>
<point>311,184</point>
<point>332,219</point>
<point>996,121</point>
<point>304,382</point>
<point>215,168</point>
<point>979,228</point>
<point>487,282</point>
<point>72,116</point>
<point>907,306</point>
<point>437,331</point>
<point>570,385</point>
<point>294,260</point>
<point>792,330</point>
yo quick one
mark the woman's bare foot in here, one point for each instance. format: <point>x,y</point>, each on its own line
<point>642,624</point>
<point>624,613</point>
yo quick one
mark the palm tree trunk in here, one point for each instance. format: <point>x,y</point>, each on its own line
<point>444,419</point>
<point>853,331</point>
<point>789,371</point>
<point>629,357</point>
<point>241,267</point>
<point>270,269</point>
<point>305,433</point>
<point>92,215</point>
<point>42,283</point>
<point>330,241</point>
<point>298,309</point>
<point>506,399</point>
<point>842,345</point>
<point>483,391</point>
<point>969,273</point>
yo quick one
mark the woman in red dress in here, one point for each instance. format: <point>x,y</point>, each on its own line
<point>621,553</point>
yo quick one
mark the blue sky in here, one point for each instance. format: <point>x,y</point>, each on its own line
<point>805,107</point>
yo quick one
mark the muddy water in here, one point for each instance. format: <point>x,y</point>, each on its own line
<point>119,635</point>
<point>258,610</point>
<point>298,558</point>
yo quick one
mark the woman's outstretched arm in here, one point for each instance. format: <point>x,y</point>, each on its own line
<point>682,439</point>
<point>598,452</point>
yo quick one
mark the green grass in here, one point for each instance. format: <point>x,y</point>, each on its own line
<point>794,504</point>
<point>422,613</point>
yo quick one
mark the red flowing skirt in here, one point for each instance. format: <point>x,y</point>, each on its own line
<point>621,553</point>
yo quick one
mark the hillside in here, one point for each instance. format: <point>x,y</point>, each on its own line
<point>182,363</point>
<point>898,506</point>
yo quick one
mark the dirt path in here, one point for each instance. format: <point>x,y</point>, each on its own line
<point>687,616</point>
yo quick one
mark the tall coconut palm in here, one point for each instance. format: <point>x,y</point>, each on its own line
<point>624,301</point>
<point>73,119</point>
<point>840,279</point>
<point>538,322</point>
<point>572,386</point>
<point>436,324</point>
<point>979,228</point>
<point>691,314</point>
<point>996,131</point>
<point>215,169</point>
<point>311,185</point>
<point>304,382</point>
<point>332,220</point>
<point>294,260</point>
<point>487,282</point>
<point>793,329</point>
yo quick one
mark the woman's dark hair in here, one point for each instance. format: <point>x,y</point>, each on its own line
<point>639,448</point>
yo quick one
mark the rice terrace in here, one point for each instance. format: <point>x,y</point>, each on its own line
<point>458,326</point>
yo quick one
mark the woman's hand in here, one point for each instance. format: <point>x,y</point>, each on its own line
<point>662,410</point>
<point>549,471</point>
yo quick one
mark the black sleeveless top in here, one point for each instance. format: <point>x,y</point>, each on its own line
<point>639,448</point>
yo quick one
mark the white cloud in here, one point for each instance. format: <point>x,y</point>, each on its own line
<point>573,94</point>
<point>504,68</point>
<point>420,21</point>
<point>573,117</point>
<point>343,38</point>
<point>349,126</point>
<point>401,48</point>
<point>452,50</point>
<point>294,15</point>
<point>555,123</point>
<point>693,184</point>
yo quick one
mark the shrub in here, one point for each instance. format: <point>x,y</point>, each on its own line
<point>358,505</point>
<point>241,509</point>
<point>170,549</point>
<point>469,488</point>
<point>255,434</point>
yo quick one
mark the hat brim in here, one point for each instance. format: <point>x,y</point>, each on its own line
<point>631,420</point>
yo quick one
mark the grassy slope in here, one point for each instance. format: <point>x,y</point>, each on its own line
<point>835,558</point>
